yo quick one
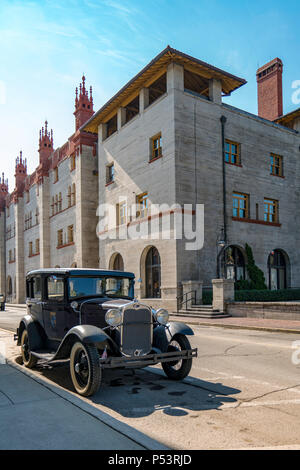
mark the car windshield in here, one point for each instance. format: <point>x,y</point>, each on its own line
<point>100,286</point>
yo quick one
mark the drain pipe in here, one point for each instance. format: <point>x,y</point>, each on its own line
<point>223,121</point>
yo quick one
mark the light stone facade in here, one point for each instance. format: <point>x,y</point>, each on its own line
<point>190,171</point>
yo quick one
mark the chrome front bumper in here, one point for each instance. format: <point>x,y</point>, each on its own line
<point>147,360</point>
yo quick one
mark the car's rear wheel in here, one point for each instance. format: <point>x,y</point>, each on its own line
<point>179,369</point>
<point>85,369</point>
<point>28,359</point>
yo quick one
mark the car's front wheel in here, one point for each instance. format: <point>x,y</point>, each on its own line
<point>28,359</point>
<point>178,369</point>
<point>85,369</point>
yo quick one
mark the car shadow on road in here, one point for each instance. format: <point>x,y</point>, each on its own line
<point>140,392</point>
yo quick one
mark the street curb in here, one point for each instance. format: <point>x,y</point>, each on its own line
<point>243,327</point>
<point>133,434</point>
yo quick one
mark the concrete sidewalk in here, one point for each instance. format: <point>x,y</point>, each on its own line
<point>33,417</point>
<point>35,414</point>
<point>263,324</point>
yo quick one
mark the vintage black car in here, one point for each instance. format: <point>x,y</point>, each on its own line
<point>90,317</point>
<point>2,302</point>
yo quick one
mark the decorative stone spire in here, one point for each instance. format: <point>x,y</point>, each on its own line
<point>45,145</point>
<point>3,192</point>
<point>21,173</point>
<point>83,105</point>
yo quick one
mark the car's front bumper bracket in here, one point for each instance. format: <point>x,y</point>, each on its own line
<point>148,359</point>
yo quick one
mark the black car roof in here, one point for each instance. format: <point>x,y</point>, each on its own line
<point>81,272</point>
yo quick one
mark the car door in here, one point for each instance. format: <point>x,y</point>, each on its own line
<point>54,308</point>
<point>34,298</point>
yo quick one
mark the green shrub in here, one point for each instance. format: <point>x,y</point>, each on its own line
<point>256,275</point>
<point>266,295</point>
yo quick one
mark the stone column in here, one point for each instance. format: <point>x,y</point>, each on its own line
<point>121,117</point>
<point>20,274</point>
<point>44,213</point>
<point>188,286</point>
<point>215,90</point>
<point>144,99</point>
<point>223,291</point>
<point>175,77</point>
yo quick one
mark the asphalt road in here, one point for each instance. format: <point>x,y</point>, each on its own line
<point>243,392</point>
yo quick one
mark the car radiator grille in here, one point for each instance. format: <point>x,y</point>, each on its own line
<point>136,331</point>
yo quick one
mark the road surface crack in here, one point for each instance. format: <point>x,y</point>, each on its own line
<point>249,400</point>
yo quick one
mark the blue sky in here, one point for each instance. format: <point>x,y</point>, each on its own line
<point>46,45</point>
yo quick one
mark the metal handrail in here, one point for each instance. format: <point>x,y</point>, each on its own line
<point>183,299</point>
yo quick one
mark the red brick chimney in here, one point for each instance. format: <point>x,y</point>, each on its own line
<point>269,90</point>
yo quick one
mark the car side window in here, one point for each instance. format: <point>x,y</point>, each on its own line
<point>37,288</point>
<point>55,288</point>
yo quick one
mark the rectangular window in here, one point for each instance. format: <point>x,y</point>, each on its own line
<point>110,173</point>
<point>72,162</point>
<point>55,288</point>
<point>10,256</point>
<point>270,210</point>
<point>55,175</point>
<point>142,205</point>
<point>70,234</point>
<point>37,288</point>
<point>232,152</point>
<point>121,213</point>
<point>240,205</point>
<point>59,237</point>
<point>156,147</point>
<point>30,249</point>
<point>276,165</point>
<point>37,246</point>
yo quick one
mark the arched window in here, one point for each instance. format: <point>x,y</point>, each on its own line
<point>153,273</point>
<point>234,264</point>
<point>277,270</point>
<point>118,263</point>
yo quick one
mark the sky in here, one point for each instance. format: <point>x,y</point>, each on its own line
<point>46,46</point>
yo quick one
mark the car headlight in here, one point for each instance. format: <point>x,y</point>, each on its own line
<point>113,317</point>
<point>162,316</point>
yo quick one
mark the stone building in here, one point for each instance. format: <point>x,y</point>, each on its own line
<point>168,145</point>
<point>49,218</point>
<point>167,137</point>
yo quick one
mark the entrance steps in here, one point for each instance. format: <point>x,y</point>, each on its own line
<point>202,311</point>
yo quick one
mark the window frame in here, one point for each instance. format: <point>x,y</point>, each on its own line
<point>271,203</point>
<point>240,197</point>
<point>141,198</point>
<point>273,165</point>
<point>154,148</point>
<point>230,154</point>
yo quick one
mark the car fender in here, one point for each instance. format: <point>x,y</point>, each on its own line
<point>35,333</point>
<point>163,334</point>
<point>87,334</point>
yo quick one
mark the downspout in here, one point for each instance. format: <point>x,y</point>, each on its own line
<point>223,121</point>
<point>222,252</point>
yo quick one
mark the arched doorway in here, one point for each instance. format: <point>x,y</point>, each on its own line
<point>277,269</point>
<point>153,273</point>
<point>116,262</point>
<point>234,263</point>
<point>74,265</point>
